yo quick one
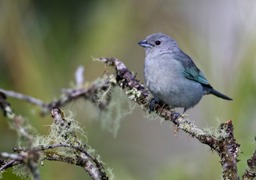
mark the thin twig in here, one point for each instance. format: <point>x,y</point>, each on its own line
<point>67,96</point>
<point>251,172</point>
<point>8,164</point>
<point>94,168</point>
<point>20,96</point>
<point>29,159</point>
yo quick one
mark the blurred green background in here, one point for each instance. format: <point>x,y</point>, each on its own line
<point>42,42</point>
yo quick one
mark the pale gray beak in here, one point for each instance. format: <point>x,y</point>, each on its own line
<point>145,44</point>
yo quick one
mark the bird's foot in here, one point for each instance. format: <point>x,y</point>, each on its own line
<point>183,115</point>
<point>152,104</point>
<point>175,115</point>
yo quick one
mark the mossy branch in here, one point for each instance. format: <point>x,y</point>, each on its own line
<point>223,142</point>
<point>62,144</point>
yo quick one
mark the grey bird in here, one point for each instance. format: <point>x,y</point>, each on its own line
<point>171,75</point>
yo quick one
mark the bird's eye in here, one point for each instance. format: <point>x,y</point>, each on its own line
<point>158,42</point>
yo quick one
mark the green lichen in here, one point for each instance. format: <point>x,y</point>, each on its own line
<point>110,174</point>
<point>22,171</point>
<point>115,111</point>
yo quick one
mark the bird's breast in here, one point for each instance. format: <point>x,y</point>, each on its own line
<point>160,73</point>
<point>165,80</point>
<point>162,70</point>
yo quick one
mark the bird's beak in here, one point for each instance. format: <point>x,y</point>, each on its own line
<point>144,44</point>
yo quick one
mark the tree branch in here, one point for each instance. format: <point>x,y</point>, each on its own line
<point>67,137</point>
<point>223,142</point>
<point>251,172</point>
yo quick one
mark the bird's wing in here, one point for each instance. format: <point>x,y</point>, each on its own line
<point>191,70</point>
<point>193,73</point>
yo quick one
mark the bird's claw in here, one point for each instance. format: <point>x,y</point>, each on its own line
<point>152,104</point>
<point>183,115</point>
<point>175,115</point>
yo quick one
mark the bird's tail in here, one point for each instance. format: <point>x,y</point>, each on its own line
<point>220,95</point>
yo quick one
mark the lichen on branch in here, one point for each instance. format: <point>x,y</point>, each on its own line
<point>63,142</point>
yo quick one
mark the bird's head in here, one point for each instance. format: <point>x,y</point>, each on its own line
<point>158,43</point>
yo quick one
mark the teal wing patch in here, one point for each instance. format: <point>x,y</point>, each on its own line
<point>191,70</point>
<point>193,73</point>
